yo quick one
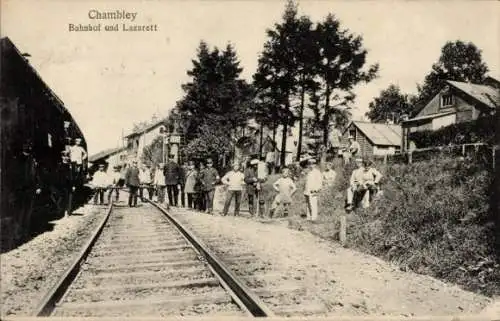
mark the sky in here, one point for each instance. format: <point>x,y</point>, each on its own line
<point>110,80</point>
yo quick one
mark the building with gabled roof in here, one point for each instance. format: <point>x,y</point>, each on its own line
<point>456,102</point>
<point>375,139</point>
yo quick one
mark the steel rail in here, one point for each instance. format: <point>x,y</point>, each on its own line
<point>243,294</point>
<point>50,299</point>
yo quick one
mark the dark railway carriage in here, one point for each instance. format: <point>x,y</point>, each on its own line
<point>35,129</point>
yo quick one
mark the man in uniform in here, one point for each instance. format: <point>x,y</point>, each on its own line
<point>210,178</point>
<point>28,188</point>
<point>133,182</point>
<point>172,180</point>
<point>66,182</point>
<point>252,185</point>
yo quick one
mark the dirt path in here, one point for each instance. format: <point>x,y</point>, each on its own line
<point>348,282</point>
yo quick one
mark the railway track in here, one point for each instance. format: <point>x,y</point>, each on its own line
<point>140,262</point>
<point>286,295</point>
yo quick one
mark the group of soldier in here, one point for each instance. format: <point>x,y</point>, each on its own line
<point>195,183</point>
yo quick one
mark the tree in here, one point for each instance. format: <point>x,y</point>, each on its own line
<point>307,55</point>
<point>153,153</point>
<point>276,76</point>
<point>340,69</point>
<point>390,104</point>
<point>459,61</point>
<point>215,98</point>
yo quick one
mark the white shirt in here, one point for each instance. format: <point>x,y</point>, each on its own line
<point>234,180</point>
<point>101,179</point>
<point>115,177</point>
<point>159,177</point>
<point>285,186</point>
<point>362,176</point>
<point>314,181</point>
<point>77,154</point>
<point>145,176</point>
<point>329,176</point>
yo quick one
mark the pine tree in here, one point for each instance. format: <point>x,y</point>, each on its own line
<point>342,58</point>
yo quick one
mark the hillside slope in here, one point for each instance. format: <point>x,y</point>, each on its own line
<point>434,218</point>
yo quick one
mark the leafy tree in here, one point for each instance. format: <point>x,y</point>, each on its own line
<point>390,104</point>
<point>339,69</point>
<point>459,61</point>
<point>153,153</point>
<point>213,142</point>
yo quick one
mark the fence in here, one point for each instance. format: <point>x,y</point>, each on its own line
<point>478,151</point>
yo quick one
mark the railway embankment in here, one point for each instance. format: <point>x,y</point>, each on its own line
<point>29,270</point>
<point>435,218</point>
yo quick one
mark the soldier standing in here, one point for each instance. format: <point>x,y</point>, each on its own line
<point>252,184</point>
<point>66,182</point>
<point>133,182</point>
<point>172,177</point>
<point>210,178</point>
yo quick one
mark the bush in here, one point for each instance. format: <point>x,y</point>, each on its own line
<point>480,130</point>
<point>434,218</point>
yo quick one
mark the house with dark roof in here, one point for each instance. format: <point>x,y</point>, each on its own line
<point>375,139</point>
<point>456,102</point>
<point>111,156</point>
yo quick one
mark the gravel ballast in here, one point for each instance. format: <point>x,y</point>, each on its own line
<point>347,282</point>
<point>31,269</point>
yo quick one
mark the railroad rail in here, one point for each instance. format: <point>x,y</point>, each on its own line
<point>141,261</point>
<point>287,295</point>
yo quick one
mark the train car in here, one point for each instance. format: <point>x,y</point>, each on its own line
<point>35,129</point>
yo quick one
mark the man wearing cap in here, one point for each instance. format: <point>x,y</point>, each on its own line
<point>172,179</point>
<point>364,178</point>
<point>77,155</point>
<point>115,177</point>
<point>352,150</point>
<point>209,178</point>
<point>133,182</point>
<point>252,184</point>
<point>100,181</point>
<point>314,183</point>
<point>66,182</point>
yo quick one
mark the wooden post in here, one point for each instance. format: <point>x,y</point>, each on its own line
<point>463,150</point>
<point>343,230</point>
<point>493,152</point>
<point>385,159</point>
<point>410,154</point>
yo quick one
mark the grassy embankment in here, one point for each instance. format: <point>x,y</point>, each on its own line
<point>434,218</point>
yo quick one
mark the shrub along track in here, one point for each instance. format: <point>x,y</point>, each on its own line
<point>140,263</point>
